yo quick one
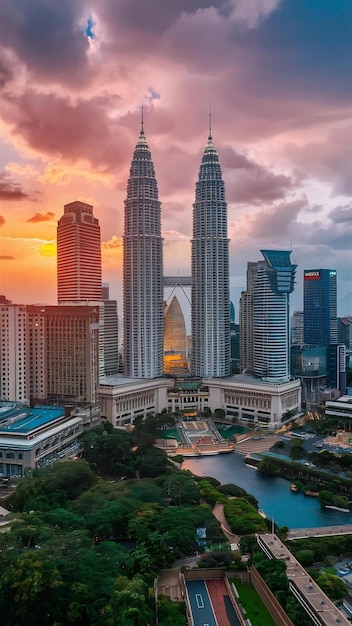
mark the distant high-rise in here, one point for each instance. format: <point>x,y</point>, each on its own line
<point>246,319</point>
<point>78,254</point>
<point>13,351</point>
<point>320,307</point>
<point>210,271</point>
<point>143,269</point>
<point>297,334</point>
<point>273,284</point>
<point>111,344</point>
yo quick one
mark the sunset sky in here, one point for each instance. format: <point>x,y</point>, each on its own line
<point>278,77</point>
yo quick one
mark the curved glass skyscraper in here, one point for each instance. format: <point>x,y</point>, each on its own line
<point>273,284</point>
<point>143,269</point>
<point>210,271</point>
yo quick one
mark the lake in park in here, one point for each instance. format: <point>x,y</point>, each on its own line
<point>275,499</point>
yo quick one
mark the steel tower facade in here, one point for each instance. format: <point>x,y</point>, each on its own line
<point>143,269</point>
<point>210,318</point>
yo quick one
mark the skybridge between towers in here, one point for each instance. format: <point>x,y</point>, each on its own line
<point>177,281</point>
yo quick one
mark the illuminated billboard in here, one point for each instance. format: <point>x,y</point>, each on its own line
<point>312,275</point>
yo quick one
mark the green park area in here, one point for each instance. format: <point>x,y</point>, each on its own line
<point>170,433</point>
<point>229,430</point>
<point>254,607</point>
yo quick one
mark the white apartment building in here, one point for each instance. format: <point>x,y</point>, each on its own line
<point>13,352</point>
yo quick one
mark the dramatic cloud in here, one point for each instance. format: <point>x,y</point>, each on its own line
<point>9,190</point>
<point>74,76</point>
<point>114,242</point>
<point>330,160</point>
<point>42,217</point>
<point>49,37</point>
<point>251,183</point>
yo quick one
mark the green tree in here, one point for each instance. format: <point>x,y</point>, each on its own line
<point>106,448</point>
<point>334,587</point>
<point>130,604</point>
<point>305,557</point>
<point>171,613</point>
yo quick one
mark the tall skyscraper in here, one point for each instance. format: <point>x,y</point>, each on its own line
<point>273,284</point>
<point>320,307</point>
<point>143,269</point>
<point>78,254</point>
<point>210,319</point>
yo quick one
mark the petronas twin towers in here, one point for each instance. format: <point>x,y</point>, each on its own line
<point>143,270</point>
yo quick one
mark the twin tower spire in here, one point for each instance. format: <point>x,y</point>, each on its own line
<point>143,269</point>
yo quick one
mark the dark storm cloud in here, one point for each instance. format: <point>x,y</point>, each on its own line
<point>150,16</point>
<point>48,37</point>
<point>304,46</point>
<point>54,126</point>
<point>341,215</point>
<point>329,160</point>
<point>41,217</point>
<point>9,190</point>
<point>272,223</point>
<point>6,72</point>
<point>249,182</point>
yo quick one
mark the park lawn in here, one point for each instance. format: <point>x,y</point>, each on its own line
<point>228,431</point>
<point>254,606</point>
<point>170,433</point>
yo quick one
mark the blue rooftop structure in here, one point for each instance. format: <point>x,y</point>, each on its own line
<point>21,419</point>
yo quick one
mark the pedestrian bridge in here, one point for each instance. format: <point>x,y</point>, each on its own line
<point>323,531</point>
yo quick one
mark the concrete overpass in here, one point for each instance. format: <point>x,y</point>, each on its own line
<point>323,531</point>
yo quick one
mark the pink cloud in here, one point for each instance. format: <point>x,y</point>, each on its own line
<point>41,217</point>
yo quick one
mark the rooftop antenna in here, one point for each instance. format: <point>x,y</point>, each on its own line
<point>210,135</point>
<point>142,119</point>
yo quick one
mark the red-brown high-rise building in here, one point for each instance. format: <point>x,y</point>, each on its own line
<point>78,254</point>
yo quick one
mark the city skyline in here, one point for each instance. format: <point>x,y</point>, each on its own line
<point>74,80</point>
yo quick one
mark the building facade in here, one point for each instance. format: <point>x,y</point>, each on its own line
<point>320,307</point>
<point>78,254</point>
<point>122,399</point>
<point>210,318</point>
<point>297,328</point>
<point>13,352</point>
<point>175,340</point>
<point>111,333</point>
<point>32,437</point>
<point>143,313</point>
<point>246,319</point>
<point>242,397</point>
<point>273,285</point>
<point>66,368</point>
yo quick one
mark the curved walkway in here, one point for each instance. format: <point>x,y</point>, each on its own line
<point>218,512</point>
